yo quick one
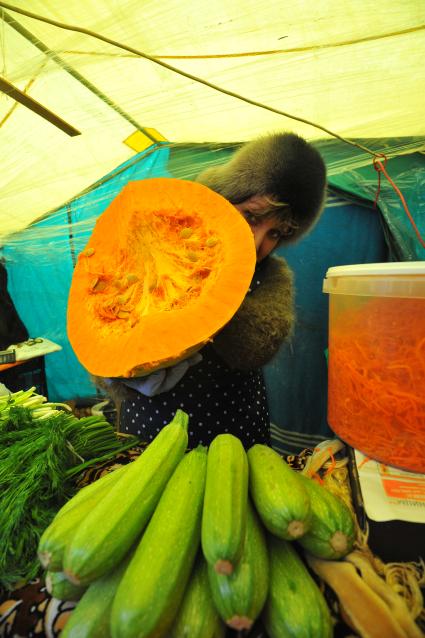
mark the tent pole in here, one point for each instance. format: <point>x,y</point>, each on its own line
<point>75,74</point>
<point>19,96</point>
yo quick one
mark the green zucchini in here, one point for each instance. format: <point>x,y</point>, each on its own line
<point>91,617</point>
<point>279,495</point>
<point>295,606</point>
<point>153,586</point>
<point>197,617</point>
<point>240,597</point>
<point>98,486</point>
<point>332,531</point>
<point>58,586</point>
<point>106,534</point>
<point>226,496</point>
<point>57,536</point>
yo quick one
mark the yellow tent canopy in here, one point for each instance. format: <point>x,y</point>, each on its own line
<point>354,68</point>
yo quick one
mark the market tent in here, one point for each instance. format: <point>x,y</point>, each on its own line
<point>135,107</point>
<point>354,68</point>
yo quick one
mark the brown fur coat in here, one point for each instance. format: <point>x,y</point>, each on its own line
<point>264,320</point>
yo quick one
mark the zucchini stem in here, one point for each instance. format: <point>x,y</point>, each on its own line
<point>223,567</point>
<point>338,542</point>
<point>296,529</point>
<point>240,623</point>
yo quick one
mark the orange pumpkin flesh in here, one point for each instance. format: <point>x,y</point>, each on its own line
<point>166,267</point>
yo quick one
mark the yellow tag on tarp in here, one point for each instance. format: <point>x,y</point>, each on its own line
<point>140,141</point>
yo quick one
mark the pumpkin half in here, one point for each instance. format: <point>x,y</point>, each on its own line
<point>166,267</point>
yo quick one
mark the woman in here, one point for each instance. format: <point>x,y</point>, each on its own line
<point>278,184</point>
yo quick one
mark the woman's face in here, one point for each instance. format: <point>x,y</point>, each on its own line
<point>267,231</point>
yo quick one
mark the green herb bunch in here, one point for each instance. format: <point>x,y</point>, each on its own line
<point>41,448</point>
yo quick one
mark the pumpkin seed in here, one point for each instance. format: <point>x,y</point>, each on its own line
<point>211,241</point>
<point>192,256</point>
<point>119,283</point>
<point>98,285</point>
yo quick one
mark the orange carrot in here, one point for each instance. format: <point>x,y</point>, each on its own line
<point>377,380</point>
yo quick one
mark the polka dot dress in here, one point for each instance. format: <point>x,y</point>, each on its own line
<point>217,399</point>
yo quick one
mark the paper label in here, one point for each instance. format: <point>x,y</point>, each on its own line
<point>389,493</point>
<point>34,348</point>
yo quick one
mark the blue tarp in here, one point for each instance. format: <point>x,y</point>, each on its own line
<point>407,172</point>
<point>348,233</point>
<point>41,260</point>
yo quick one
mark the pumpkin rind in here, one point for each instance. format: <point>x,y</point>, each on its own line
<point>166,267</point>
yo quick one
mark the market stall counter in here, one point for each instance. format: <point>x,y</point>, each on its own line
<point>30,609</point>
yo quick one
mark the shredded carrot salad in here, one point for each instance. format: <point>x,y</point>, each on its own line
<point>377,380</point>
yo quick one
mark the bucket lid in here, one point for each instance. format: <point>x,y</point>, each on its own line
<point>394,268</point>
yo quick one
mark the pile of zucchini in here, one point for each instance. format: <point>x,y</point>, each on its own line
<point>182,544</point>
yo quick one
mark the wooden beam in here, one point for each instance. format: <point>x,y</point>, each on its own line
<point>51,55</point>
<point>24,99</point>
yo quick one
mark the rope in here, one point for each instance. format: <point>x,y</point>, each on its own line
<point>377,157</point>
<point>195,78</point>
<point>379,165</point>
